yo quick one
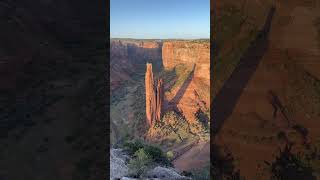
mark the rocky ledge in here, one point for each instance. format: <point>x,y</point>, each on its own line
<point>119,169</point>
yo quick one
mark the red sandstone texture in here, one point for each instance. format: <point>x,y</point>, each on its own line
<point>188,52</point>
<point>154,97</point>
<point>160,98</point>
<point>150,95</point>
<point>197,91</point>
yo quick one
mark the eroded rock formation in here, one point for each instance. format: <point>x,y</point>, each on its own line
<point>160,98</point>
<point>150,95</point>
<point>154,97</point>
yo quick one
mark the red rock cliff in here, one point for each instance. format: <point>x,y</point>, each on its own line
<point>188,52</point>
<point>196,93</point>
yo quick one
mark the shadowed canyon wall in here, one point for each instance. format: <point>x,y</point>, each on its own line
<point>127,56</point>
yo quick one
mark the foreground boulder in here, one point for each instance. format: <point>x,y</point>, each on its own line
<point>165,173</point>
<point>118,165</point>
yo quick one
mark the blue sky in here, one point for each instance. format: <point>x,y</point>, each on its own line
<point>160,19</point>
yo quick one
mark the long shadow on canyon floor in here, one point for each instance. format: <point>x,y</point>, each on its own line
<point>183,88</point>
<point>226,99</point>
<point>172,105</point>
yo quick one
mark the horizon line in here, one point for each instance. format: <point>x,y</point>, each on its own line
<point>157,38</point>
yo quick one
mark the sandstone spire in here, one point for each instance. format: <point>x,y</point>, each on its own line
<point>150,95</point>
<point>159,102</point>
<point>154,97</point>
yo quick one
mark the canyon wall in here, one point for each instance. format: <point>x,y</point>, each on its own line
<point>129,56</point>
<point>194,93</point>
<point>188,52</point>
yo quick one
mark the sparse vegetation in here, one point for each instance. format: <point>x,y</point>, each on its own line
<point>170,155</point>
<point>153,151</point>
<point>173,127</point>
<point>199,174</point>
<point>144,156</point>
<point>290,166</point>
<point>139,163</point>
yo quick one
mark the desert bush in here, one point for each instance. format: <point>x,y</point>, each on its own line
<point>132,146</point>
<point>170,155</point>
<point>157,155</point>
<point>139,163</point>
<point>154,152</point>
<point>174,124</point>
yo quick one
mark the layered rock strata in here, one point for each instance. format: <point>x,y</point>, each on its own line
<point>188,52</point>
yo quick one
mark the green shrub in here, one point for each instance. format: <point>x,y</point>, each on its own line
<point>157,155</point>
<point>198,174</point>
<point>154,152</point>
<point>139,163</point>
<point>170,155</point>
<point>132,146</point>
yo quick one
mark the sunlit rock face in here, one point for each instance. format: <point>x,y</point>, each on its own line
<point>150,95</point>
<point>188,52</point>
<point>160,98</point>
<point>154,97</point>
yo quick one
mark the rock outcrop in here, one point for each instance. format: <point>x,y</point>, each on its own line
<point>150,95</point>
<point>154,97</point>
<point>165,173</point>
<point>118,164</point>
<point>160,98</point>
<point>119,169</point>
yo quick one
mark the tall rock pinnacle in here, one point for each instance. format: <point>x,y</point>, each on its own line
<point>154,97</point>
<point>160,97</point>
<point>150,95</point>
